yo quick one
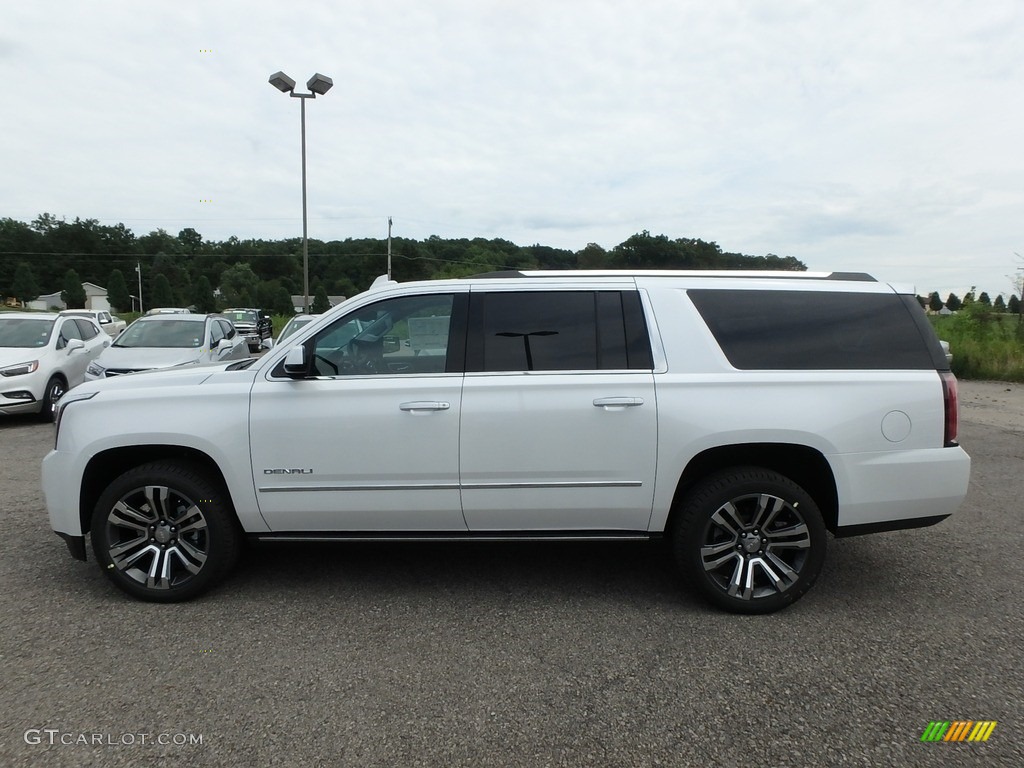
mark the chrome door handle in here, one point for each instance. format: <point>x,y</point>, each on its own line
<point>618,402</point>
<point>425,405</point>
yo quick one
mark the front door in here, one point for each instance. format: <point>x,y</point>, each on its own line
<point>369,442</point>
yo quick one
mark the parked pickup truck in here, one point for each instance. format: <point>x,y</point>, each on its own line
<point>112,324</point>
<point>252,324</point>
<point>740,416</point>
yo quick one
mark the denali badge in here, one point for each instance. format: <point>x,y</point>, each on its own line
<point>287,471</point>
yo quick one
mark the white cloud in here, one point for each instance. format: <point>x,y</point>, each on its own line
<point>878,136</point>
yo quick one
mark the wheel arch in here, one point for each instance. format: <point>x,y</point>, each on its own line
<point>107,465</point>
<point>805,466</point>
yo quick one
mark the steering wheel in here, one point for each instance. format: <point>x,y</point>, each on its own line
<point>362,358</point>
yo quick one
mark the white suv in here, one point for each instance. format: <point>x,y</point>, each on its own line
<point>739,415</point>
<point>43,355</point>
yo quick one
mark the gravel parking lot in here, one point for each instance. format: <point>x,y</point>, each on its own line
<point>533,655</point>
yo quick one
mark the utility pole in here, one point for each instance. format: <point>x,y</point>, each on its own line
<point>1018,286</point>
<point>138,268</point>
<point>389,247</point>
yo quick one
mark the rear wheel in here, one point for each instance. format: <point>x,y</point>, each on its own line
<point>750,539</point>
<point>165,532</point>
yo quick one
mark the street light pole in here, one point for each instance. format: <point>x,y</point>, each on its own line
<point>317,84</point>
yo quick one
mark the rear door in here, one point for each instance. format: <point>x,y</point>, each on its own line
<point>559,419</point>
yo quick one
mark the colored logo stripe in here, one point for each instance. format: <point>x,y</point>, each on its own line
<point>958,730</point>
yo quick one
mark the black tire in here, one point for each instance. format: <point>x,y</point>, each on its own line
<point>165,532</point>
<point>749,539</point>
<point>56,388</point>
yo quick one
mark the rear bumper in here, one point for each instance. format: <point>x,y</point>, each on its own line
<point>899,489</point>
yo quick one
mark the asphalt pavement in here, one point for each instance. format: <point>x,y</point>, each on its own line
<point>517,655</point>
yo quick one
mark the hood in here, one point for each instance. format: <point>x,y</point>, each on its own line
<point>168,377</point>
<point>15,355</point>
<point>147,357</point>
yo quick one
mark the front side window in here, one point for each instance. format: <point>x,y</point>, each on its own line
<point>226,328</point>
<point>216,333</point>
<point>407,335</point>
<point>89,331</point>
<point>68,331</point>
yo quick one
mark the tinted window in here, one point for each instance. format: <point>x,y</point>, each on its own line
<point>68,331</point>
<point>540,331</point>
<point>216,332</point>
<point>811,330</point>
<point>557,331</point>
<point>88,330</point>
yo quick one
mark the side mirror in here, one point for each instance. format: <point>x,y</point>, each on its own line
<point>296,365</point>
<point>267,344</point>
<point>74,345</point>
<point>223,344</point>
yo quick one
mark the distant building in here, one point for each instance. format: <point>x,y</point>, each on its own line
<point>95,298</point>
<point>297,302</point>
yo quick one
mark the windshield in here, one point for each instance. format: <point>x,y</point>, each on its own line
<point>293,325</point>
<point>25,332</point>
<point>163,333</point>
<point>241,317</point>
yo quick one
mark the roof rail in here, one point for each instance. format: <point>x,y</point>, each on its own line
<point>863,277</point>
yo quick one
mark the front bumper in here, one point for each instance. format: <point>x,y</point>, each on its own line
<point>10,407</point>
<point>60,492</point>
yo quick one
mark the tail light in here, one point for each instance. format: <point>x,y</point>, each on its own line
<point>951,401</point>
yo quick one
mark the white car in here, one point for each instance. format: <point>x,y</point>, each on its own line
<point>739,415</point>
<point>112,324</point>
<point>43,355</point>
<point>169,340</point>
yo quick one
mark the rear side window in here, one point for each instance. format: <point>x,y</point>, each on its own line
<point>813,330</point>
<point>557,331</point>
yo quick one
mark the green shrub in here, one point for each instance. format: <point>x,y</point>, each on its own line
<point>985,344</point>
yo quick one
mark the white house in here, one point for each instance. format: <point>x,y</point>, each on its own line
<point>95,298</point>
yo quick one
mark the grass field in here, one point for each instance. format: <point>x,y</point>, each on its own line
<point>985,345</point>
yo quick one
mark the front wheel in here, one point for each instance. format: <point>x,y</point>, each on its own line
<point>165,532</point>
<point>55,390</point>
<point>750,539</point>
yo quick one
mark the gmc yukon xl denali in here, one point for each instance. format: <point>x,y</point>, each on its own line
<point>740,416</point>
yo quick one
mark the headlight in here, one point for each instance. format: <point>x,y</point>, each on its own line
<point>95,369</point>
<point>20,368</point>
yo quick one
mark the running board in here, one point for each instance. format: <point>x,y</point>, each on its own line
<point>420,536</point>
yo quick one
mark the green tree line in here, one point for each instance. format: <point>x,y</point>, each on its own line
<point>184,269</point>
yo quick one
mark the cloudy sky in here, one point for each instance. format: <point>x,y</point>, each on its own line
<point>867,135</point>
